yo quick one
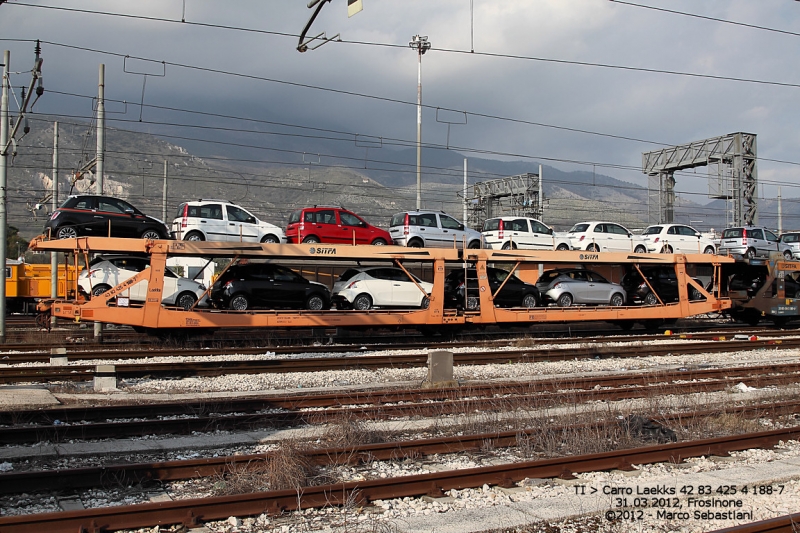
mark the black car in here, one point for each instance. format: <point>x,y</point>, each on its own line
<point>662,279</point>
<point>102,216</point>
<point>515,292</point>
<point>248,285</point>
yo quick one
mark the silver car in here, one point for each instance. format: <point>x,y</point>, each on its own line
<point>568,286</point>
<point>752,241</point>
<point>431,229</point>
<point>792,240</point>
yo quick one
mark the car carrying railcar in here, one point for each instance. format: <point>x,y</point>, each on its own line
<point>114,307</point>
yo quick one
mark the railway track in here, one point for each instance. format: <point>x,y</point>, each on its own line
<point>192,512</point>
<point>60,424</point>
<point>77,373</point>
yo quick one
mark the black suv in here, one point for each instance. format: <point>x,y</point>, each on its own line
<point>102,216</point>
<point>247,285</point>
<point>515,292</point>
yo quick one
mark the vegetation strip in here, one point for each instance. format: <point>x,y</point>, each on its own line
<point>192,512</point>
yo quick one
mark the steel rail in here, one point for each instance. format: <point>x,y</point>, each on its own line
<point>130,474</point>
<point>57,425</point>
<point>20,374</point>
<point>192,512</point>
<point>782,524</point>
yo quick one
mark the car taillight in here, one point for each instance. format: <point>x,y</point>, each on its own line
<point>91,272</point>
<point>582,237</point>
<point>54,215</point>
<point>352,285</point>
<point>744,236</point>
<point>500,230</point>
<point>557,286</point>
<point>655,241</point>
<point>228,284</point>
<point>405,225</point>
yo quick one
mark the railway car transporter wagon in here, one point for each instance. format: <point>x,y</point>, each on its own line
<point>434,264</point>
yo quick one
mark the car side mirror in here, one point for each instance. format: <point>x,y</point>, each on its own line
<point>550,231</point>
<point>461,227</point>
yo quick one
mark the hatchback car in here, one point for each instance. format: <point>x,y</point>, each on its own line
<point>219,220</point>
<point>676,239</point>
<point>364,288</point>
<point>514,293</point>
<point>792,240</point>
<point>335,225</point>
<point>663,281</point>
<point>565,287</point>
<point>752,241</point>
<point>102,216</point>
<point>605,237</point>
<point>431,229</point>
<point>246,285</point>
<point>107,271</point>
<point>510,233</point>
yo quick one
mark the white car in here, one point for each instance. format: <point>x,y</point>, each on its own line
<point>364,288</point>
<point>219,220</point>
<point>605,237</point>
<point>509,233</point>
<point>106,272</point>
<point>676,239</point>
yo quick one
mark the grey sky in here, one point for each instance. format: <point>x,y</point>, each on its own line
<point>650,106</point>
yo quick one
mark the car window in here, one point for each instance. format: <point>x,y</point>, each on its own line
<point>790,237</point>
<point>547,277</point>
<point>109,205</point>
<point>347,274</point>
<point>519,224</point>
<point>652,230</point>
<point>674,230</point>
<point>595,277</point>
<point>381,273</point>
<point>285,274</point>
<point>579,275</point>
<point>180,210</point>
<point>129,263</point>
<point>449,222</point>
<point>398,220</point>
<point>349,219</point>
<point>732,233</point>
<point>600,228</point>
<point>756,234</point>
<point>493,224</point>
<point>579,228</point>
<point>211,211</point>
<point>689,232</point>
<point>238,214</point>
<point>325,216</point>
<point>295,217</point>
<point>615,229</point>
<point>538,227</point>
<point>770,236</point>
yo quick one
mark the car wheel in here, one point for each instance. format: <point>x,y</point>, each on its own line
<point>378,242</point>
<point>362,302</point>
<point>270,239</point>
<point>562,247</point>
<point>565,300</point>
<point>617,300</point>
<point>311,239</point>
<point>186,300</point>
<point>151,234</point>
<point>666,249</point>
<point>530,301</point>
<point>650,299</point>
<point>709,250</point>
<point>787,255</point>
<point>509,246</point>
<point>694,294</point>
<point>97,290</point>
<point>239,302</point>
<point>194,236</point>
<point>592,248</point>
<point>750,253</point>
<point>415,243</point>
<point>425,303</point>
<point>66,232</point>
<point>640,250</point>
<point>315,302</point>
<point>473,303</point>
<point>475,245</point>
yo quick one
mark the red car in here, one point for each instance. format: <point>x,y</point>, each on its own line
<point>332,225</point>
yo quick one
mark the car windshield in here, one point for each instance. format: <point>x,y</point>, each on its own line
<point>652,230</point>
<point>579,228</point>
<point>398,220</point>
<point>549,276</point>
<point>347,274</point>
<point>791,237</point>
<point>493,224</point>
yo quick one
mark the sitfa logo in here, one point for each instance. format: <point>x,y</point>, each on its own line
<point>589,257</point>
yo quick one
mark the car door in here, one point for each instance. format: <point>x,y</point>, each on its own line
<point>770,242</point>
<point>326,225</point>
<point>264,292</point>
<point>619,239</point>
<point>289,286</point>
<point>598,288</point>
<point>354,228</point>
<point>518,232</point>
<point>125,220</point>
<point>242,225</point>
<point>579,286</point>
<point>541,236</point>
<point>756,239</point>
<point>127,267</point>
<point>451,230</point>
<point>210,219</point>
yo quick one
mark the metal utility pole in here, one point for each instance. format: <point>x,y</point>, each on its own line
<point>101,147</point>
<point>464,217</point>
<point>164,195</point>
<point>53,206</point>
<point>421,45</point>
<point>3,183</point>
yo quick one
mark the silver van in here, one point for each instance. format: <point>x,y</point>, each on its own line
<point>752,241</point>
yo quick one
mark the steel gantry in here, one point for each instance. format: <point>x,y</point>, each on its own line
<point>524,194</point>
<point>736,151</point>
